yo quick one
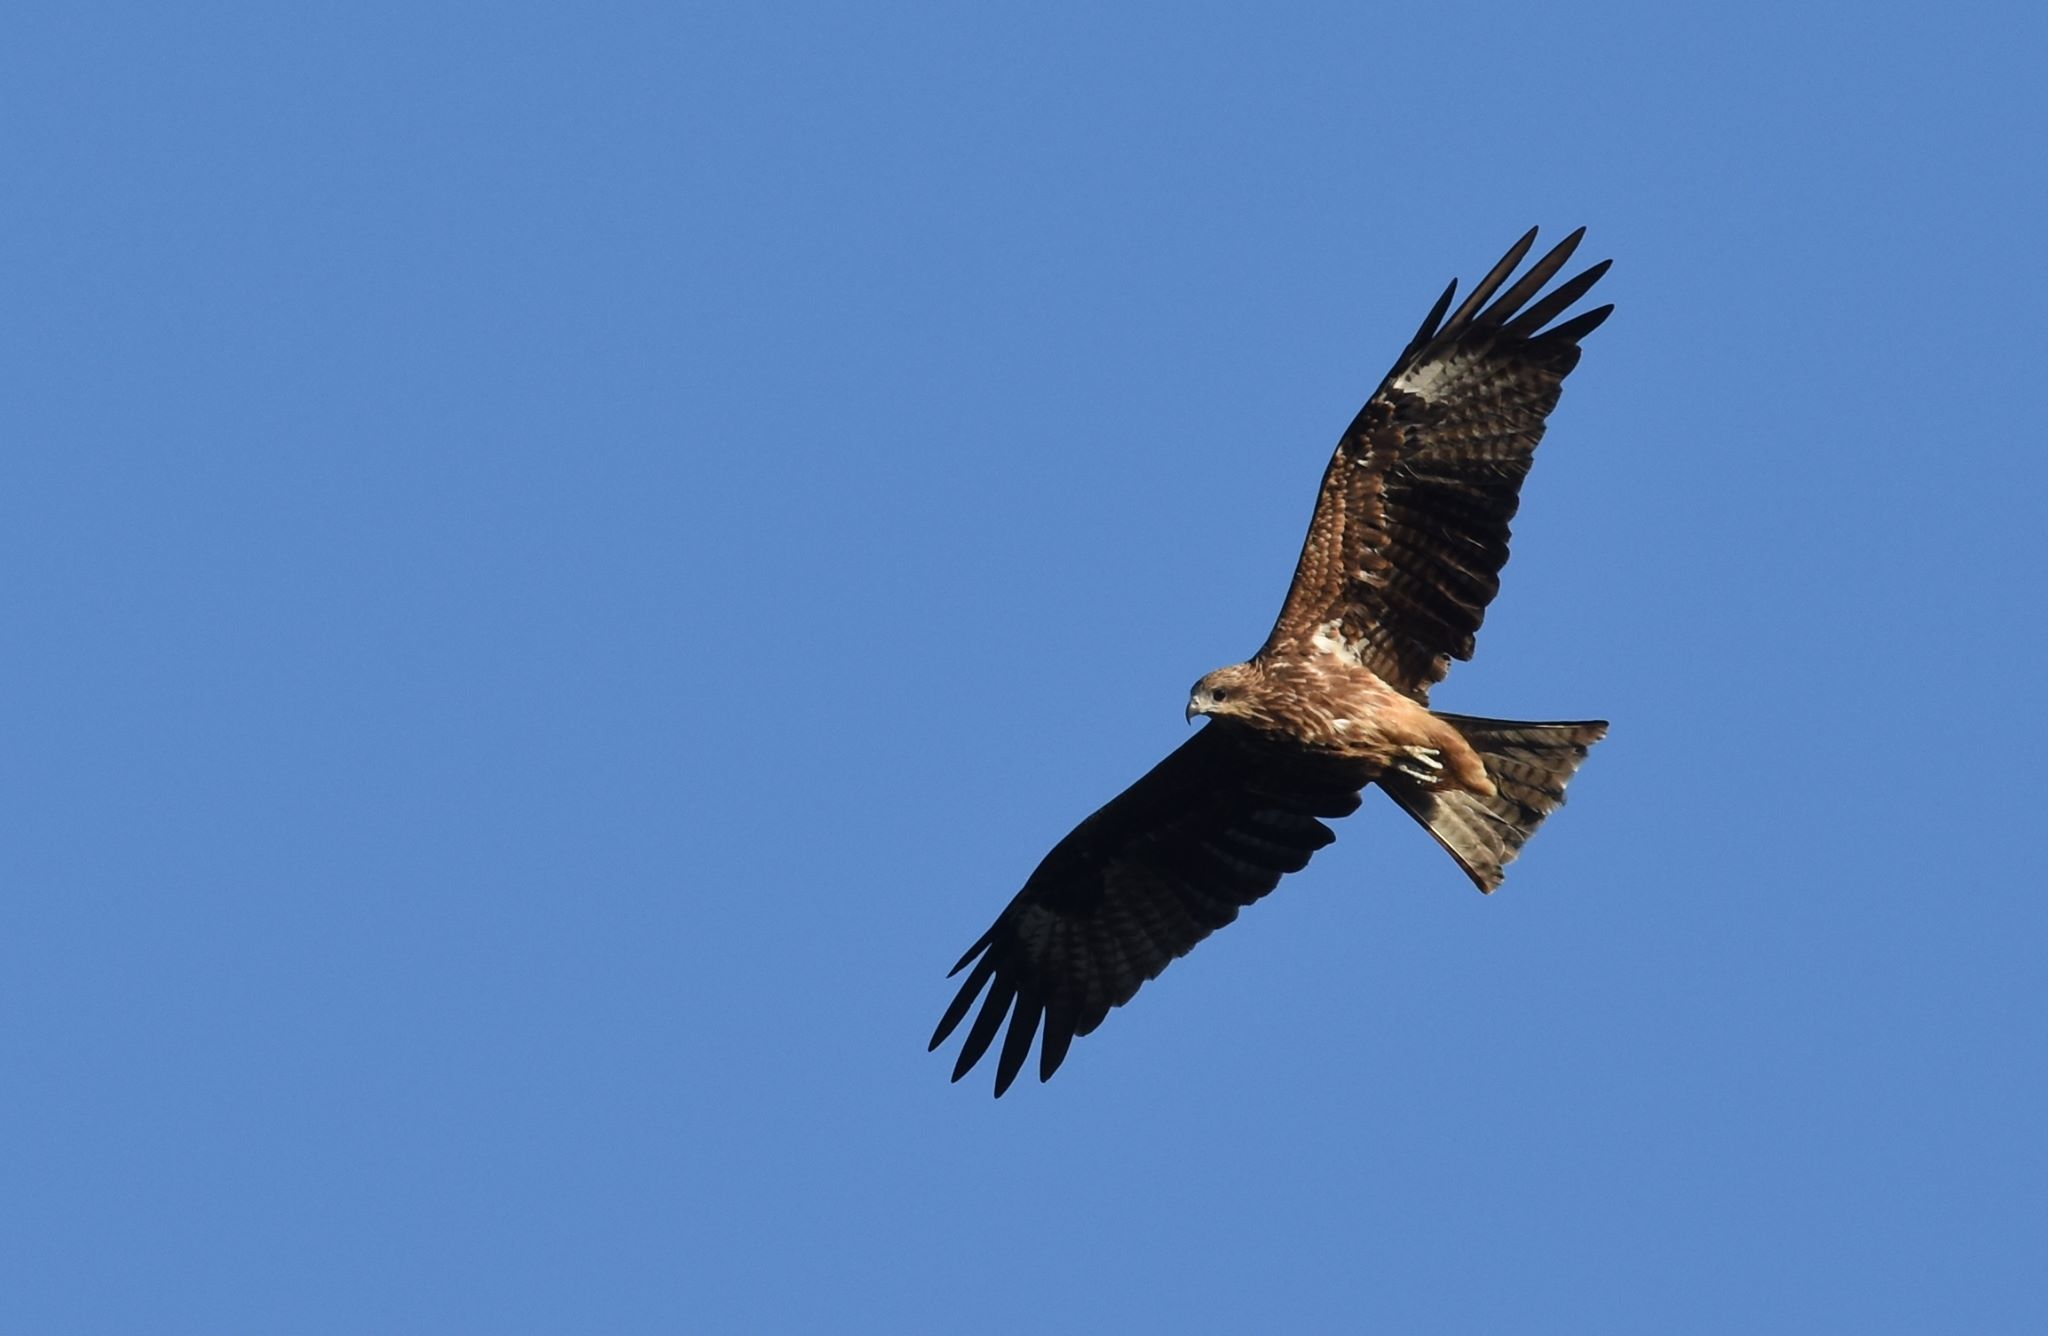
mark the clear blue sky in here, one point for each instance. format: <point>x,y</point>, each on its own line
<point>562,562</point>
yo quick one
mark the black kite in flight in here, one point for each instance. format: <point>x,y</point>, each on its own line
<point>1403,555</point>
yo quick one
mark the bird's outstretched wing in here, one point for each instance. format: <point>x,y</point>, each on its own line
<point>1168,861</point>
<point>1411,527</point>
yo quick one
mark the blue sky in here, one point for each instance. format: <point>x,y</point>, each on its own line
<point>562,563</point>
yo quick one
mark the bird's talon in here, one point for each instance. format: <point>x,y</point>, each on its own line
<point>1421,764</point>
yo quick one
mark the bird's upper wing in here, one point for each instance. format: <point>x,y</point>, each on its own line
<point>1168,861</point>
<point>1411,527</point>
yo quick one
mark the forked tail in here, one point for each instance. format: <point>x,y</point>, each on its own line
<point>1529,765</point>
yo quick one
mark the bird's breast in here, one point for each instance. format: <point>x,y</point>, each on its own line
<point>1331,703</point>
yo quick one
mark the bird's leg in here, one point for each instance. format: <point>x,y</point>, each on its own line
<point>1422,764</point>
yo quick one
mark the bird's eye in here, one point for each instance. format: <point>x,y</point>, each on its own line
<point>1219,693</point>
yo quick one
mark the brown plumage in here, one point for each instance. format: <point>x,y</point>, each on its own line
<point>1402,557</point>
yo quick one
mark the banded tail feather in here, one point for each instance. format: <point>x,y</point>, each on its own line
<point>1529,763</point>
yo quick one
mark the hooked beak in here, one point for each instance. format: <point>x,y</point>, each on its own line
<point>1193,710</point>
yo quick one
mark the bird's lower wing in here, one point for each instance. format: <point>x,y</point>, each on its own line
<point>1168,861</point>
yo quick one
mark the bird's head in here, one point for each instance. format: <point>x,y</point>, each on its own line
<point>1229,690</point>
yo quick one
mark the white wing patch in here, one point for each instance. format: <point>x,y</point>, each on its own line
<point>1430,380</point>
<point>1329,638</point>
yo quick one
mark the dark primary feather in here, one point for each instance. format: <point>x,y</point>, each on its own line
<point>1411,527</point>
<point>1168,861</point>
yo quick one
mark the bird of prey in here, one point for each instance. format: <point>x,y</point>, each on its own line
<point>1402,557</point>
